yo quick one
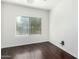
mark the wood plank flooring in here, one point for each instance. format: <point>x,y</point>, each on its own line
<point>44,50</point>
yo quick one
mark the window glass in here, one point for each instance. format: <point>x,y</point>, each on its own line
<point>28,25</point>
<point>22,25</point>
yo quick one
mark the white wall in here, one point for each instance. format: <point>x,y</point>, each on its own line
<point>63,26</point>
<point>9,14</point>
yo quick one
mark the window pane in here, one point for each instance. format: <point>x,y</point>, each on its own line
<point>28,25</point>
<point>34,25</point>
<point>22,25</point>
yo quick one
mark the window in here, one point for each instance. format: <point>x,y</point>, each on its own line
<point>28,25</point>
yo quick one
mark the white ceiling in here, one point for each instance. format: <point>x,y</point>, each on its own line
<point>43,4</point>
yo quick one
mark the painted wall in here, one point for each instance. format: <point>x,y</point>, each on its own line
<point>63,26</point>
<point>9,14</point>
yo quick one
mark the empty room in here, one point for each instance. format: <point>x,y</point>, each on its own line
<point>39,29</point>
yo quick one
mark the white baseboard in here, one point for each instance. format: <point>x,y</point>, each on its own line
<point>64,49</point>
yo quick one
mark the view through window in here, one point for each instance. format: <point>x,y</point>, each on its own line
<point>28,25</point>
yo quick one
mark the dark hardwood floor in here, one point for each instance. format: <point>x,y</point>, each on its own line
<point>43,50</point>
